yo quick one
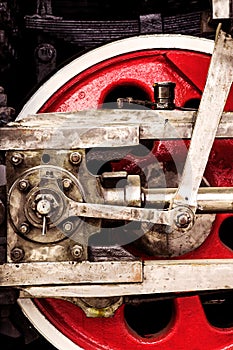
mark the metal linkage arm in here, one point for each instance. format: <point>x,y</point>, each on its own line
<point>218,84</point>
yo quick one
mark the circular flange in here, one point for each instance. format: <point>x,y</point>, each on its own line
<point>25,205</point>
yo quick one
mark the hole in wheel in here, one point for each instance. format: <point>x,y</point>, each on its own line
<point>124,91</point>
<point>225,232</point>
<point>147,319</point>
<point>218,309</point>
<point>192,103</point>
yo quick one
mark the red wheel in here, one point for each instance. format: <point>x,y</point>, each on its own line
<point>130,67</point>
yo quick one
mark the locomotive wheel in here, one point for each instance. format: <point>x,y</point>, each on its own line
<point>130,67</point>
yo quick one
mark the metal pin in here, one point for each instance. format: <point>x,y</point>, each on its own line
<point>44,228</point>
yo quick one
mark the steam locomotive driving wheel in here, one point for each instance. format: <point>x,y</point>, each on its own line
<point>149,284</point>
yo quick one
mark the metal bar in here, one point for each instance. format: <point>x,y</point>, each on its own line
<point>114,212</point>
<point>70,272</point>
<point>221,9</point>
<point>115,128</point>
<point>218,84</point>
<point>159,277</point>
<point>209,199</point>
<point>71,137</point>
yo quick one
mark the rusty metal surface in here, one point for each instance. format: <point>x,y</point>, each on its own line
<point>109,128</point>
<point>168,242</point>
<point>221,9</point>
<point>59,273</point>
<point>64,238</point>
<point>158,277</point>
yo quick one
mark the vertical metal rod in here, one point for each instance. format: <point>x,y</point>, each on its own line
<point>44,228</point>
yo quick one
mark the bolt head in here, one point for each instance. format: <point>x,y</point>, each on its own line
<point>183,220</point>
<point>66,184</point>
<point>43,207</point>
<point>24,228</point>
<point>23,185</point>
<point>17,254</point>
<point>68,226</point>
<point>75,158</point>
<point>77,251</point>
<point>16,158</point>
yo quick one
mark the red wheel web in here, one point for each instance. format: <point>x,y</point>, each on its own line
<point>189,328</point>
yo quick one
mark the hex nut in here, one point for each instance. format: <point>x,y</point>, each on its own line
<point>23,185</point>
<point>24,228</point>
<point>77,251</point>
<point>68,226</point>
<point>75,158</point>
<point>66,184</point>
<point>17,254</point>
<point>183,220</point>
<point>16,158</point>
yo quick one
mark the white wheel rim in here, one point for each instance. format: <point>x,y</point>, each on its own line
<point>46,329</point>
<point>105,52</point>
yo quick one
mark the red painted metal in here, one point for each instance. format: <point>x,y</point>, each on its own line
<point>140,69</point>
<point>189,328</point>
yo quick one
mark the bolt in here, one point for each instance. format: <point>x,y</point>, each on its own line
<point>23,185</point>
<point>68,226</point>
<point>43,207</point>
<point>16,158</point>
<point>45,52</point>
<point>183,220</point>
<point>17,254</point>
<point>75,158</point>
<point>66,183</point>
<point>24,228</point>
<point>77,251</point>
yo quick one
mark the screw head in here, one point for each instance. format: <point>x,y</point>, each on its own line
<point>66,184</point>
<point>24,228</point>
<point>68,226</point>
<point>77,251</point>
<point>17,254</point>
<point>43,207</point>
<point>23,185</point>
<point>75,158</point>
<point>16,158</point>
